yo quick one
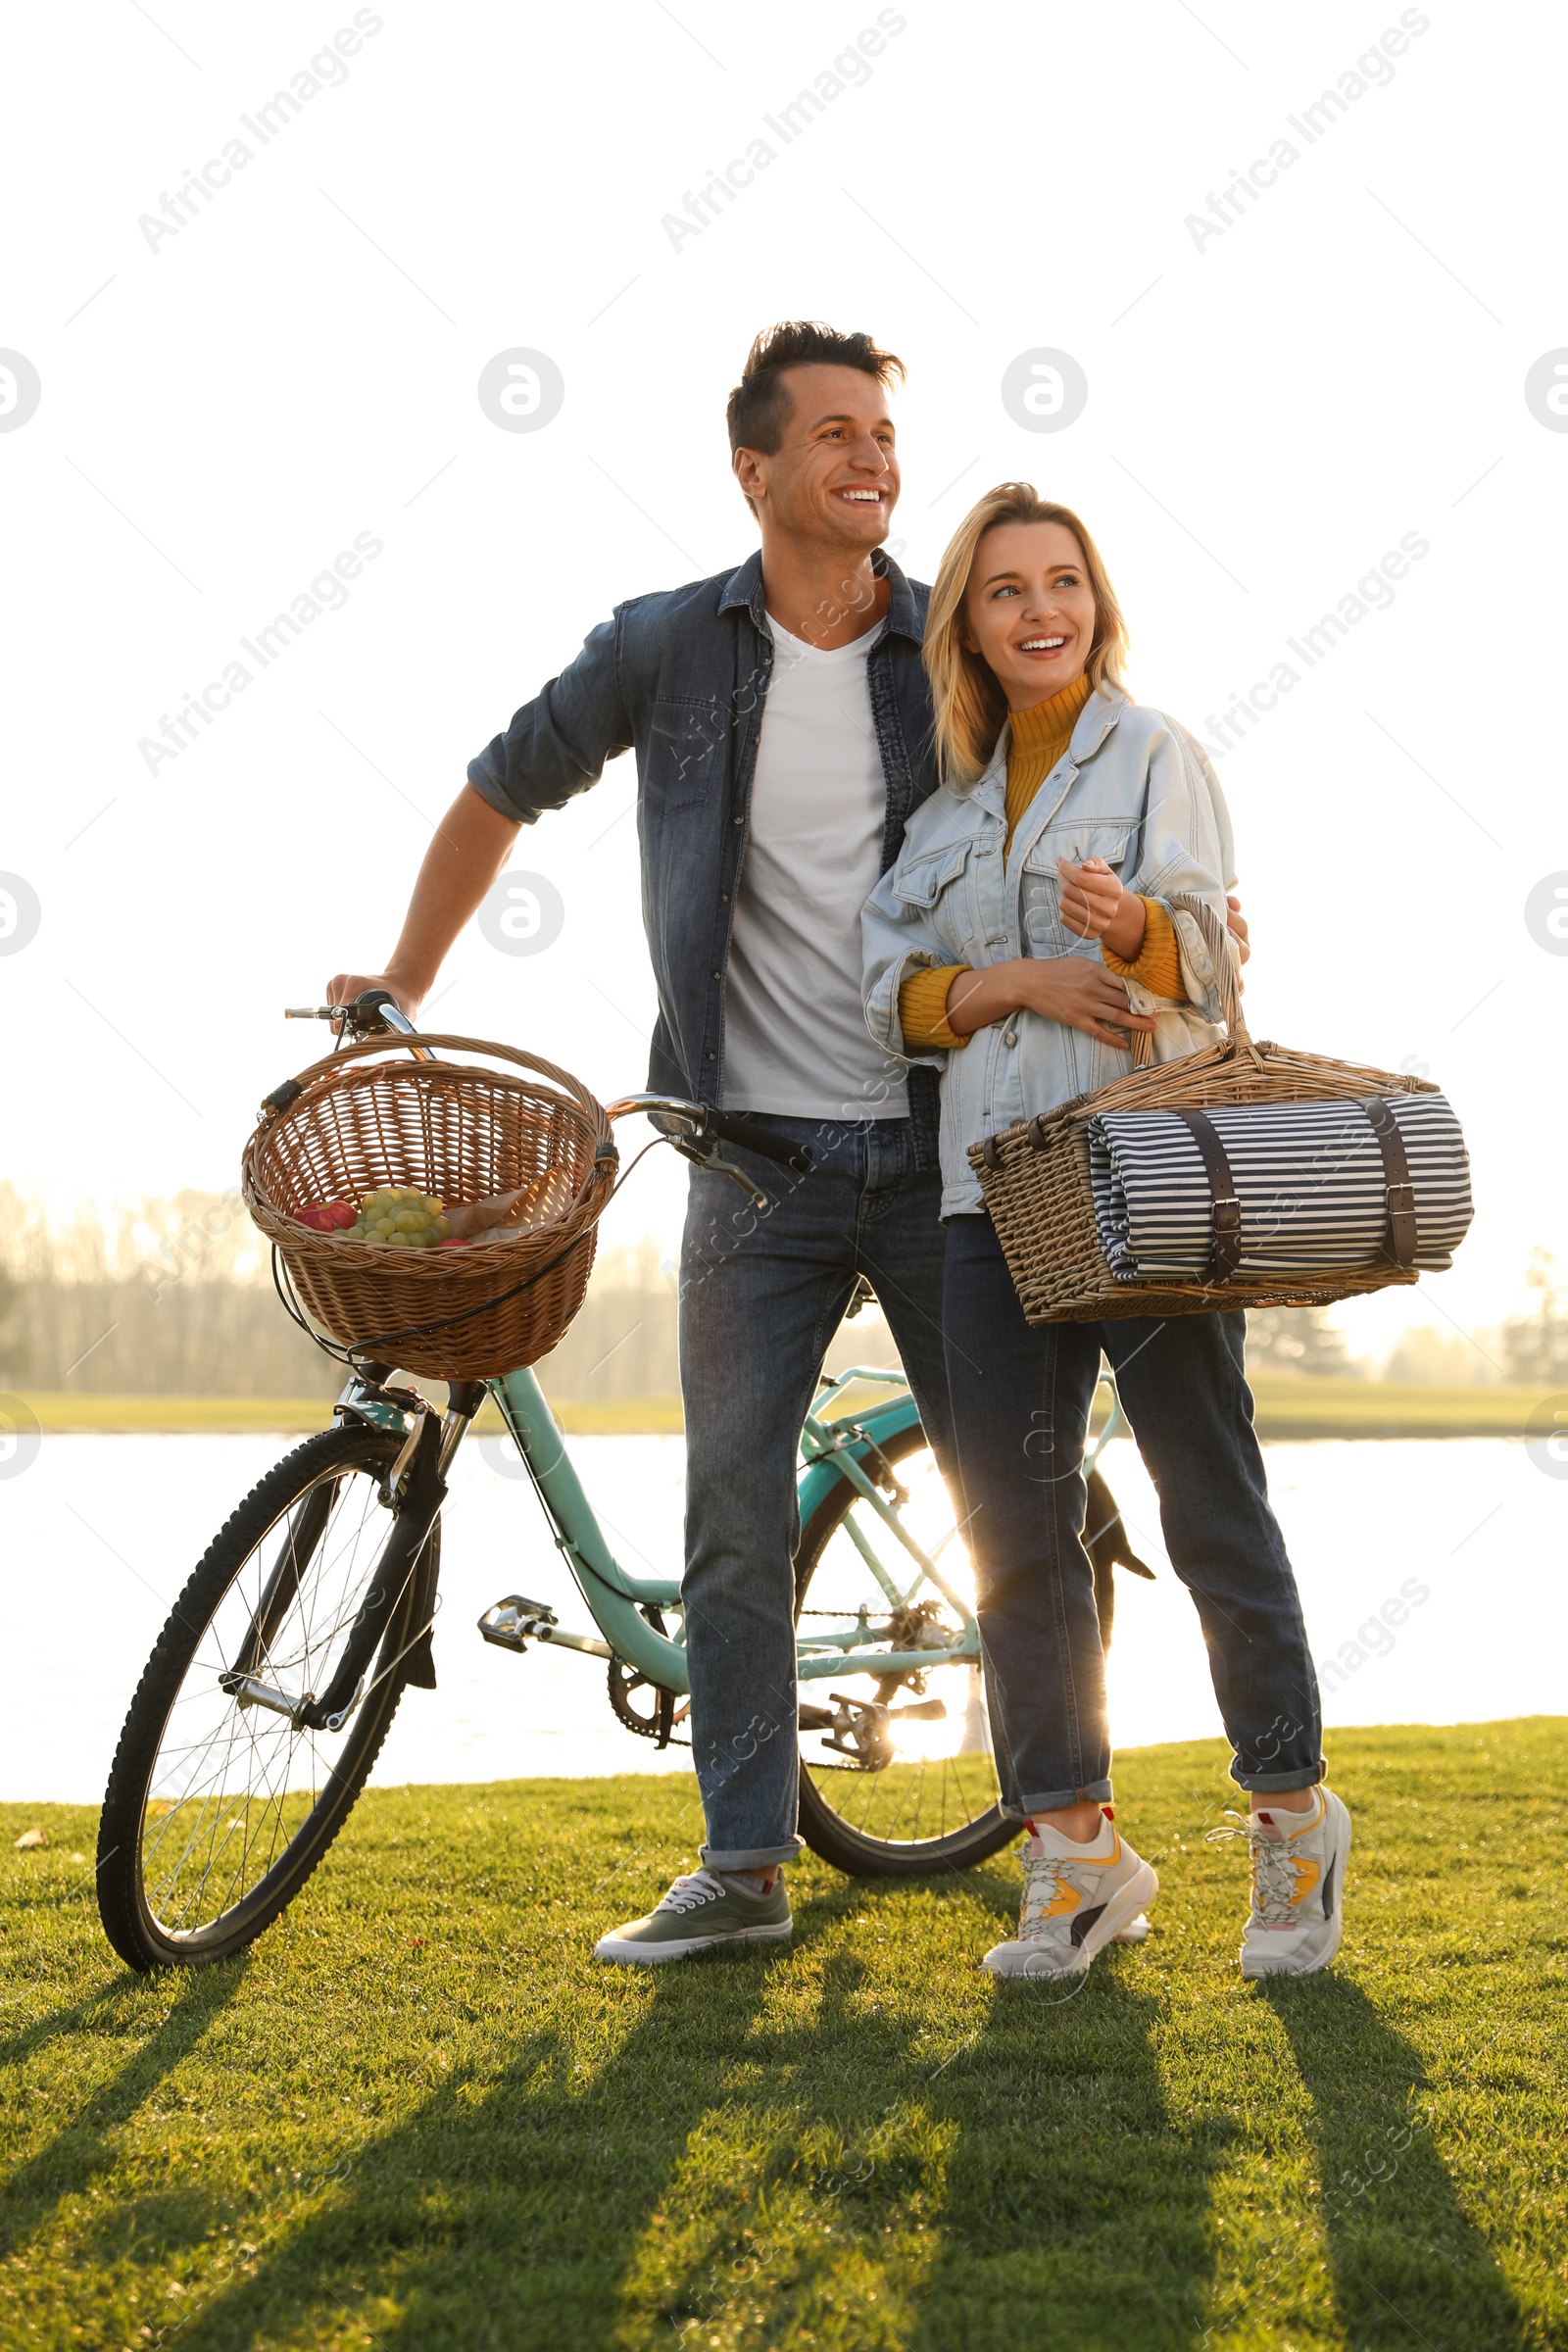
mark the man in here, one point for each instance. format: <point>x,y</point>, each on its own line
<point>782,723</point>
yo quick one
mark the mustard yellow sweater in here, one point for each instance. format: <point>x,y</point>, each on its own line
<point>1039,739</point>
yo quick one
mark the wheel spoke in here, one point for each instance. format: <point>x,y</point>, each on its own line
<point>227,1791</point>
<point>932,1785</point>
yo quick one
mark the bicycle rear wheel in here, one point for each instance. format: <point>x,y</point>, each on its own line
<point>221,1802</point>
<point>922,1795</point>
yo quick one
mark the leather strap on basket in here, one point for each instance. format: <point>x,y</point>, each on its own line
<point>1227,1253</point>
<point>1397,1185</point>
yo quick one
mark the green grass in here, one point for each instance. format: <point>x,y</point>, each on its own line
<point>1292,1405</point>
<point>64,1409</point>
<point>1287,1406</point>
<point>418,2115</point>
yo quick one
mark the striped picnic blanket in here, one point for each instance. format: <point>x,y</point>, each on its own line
<point>1309,1177</point>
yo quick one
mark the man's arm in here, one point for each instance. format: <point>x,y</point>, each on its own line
<point>554,748</point>
<point>471,844</point>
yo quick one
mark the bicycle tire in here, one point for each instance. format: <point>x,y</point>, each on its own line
<point>128,1918</point>
<point>852,1850</point>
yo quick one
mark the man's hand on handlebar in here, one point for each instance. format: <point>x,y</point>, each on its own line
<point>344,987</point>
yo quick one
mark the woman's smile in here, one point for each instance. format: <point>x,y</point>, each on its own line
<point>1029,609</point>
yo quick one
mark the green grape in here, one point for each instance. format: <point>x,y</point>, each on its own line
<point>399,1216</point>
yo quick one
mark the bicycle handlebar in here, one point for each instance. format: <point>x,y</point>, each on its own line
<point>375,1000</point>
<point>699,1128</point>
<point>738,1129</point>
<point>372,1010</point>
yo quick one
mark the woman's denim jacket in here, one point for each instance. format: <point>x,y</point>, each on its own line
<point>1132,788</point>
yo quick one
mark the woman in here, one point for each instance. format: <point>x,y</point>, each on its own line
<point>1023,933</point>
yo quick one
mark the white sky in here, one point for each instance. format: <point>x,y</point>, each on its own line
<point>1344,365</point>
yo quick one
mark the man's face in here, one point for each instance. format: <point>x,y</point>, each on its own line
<point>833,480</point>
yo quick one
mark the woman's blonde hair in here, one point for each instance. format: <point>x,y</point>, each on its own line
<point>970,705</point>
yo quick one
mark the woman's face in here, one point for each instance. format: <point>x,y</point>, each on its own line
<point>1029,610</point>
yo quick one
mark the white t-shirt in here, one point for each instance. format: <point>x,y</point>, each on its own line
<point>795,1035</point>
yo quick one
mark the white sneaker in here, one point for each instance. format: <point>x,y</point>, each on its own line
<point>1076,1899</point>
<point>1298,1913</point>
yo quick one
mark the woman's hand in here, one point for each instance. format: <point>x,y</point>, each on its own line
<point>1094,905</point>
<point>1236,925</point>
<point>1071,989</point>
<point>1082,994</point>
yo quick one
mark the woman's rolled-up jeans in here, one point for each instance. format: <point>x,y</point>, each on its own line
<point>1021,1394</point>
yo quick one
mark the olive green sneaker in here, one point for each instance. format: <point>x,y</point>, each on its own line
<point>698,1913</point>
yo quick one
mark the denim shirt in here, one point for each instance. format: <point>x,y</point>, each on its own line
<point>681,676</point>
<point>1133,788</point>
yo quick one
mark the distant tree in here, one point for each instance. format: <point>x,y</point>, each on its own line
<point>1534,1347</point>
<point>1295,1339</point>
<point>12,1343</point>
<point>1454,1359</point>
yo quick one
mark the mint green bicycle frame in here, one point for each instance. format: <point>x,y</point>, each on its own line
<point>830,1451</point>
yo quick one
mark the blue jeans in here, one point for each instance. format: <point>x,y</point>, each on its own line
<point>1020,1396</point>
<point>761,1297</point>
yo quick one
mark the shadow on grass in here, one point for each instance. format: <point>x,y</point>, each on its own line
<point>764,2157</point>
<point>82,2151</point>
<point>778,2169</point>
<point>1408,2266</point>
<point>60,2024</point>
<point>1079,2209</point>
<point>507,2210</point>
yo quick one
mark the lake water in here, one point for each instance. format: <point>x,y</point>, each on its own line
<point>99,1534</point>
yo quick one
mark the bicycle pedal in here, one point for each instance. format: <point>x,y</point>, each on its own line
<point>508,1623</point>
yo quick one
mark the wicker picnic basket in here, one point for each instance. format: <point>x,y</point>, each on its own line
<point>352,1123</point>
<point>1036,1184</point>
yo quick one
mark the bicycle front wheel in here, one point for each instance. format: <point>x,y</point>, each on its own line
<point>220,1799</point>
<point>896,1773</point>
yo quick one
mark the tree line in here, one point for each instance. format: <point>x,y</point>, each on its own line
<point>175,1298</point>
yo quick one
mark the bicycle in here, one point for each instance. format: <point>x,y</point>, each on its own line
<point>274,1681</point>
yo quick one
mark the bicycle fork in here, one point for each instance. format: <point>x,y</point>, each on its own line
<point>398,1609</point>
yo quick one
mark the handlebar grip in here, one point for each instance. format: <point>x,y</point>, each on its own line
<point>382,1003</point>
<point>735,1130</point>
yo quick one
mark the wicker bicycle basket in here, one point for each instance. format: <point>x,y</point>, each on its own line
<point>351,1124</point>
<point>1035,1176</point>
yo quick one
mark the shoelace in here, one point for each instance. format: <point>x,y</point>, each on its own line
<point>1042,1883</point>
<point>698,1886</point>
<point>1274,1867</point>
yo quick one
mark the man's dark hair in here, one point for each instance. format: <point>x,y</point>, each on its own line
<point>759,404</point>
